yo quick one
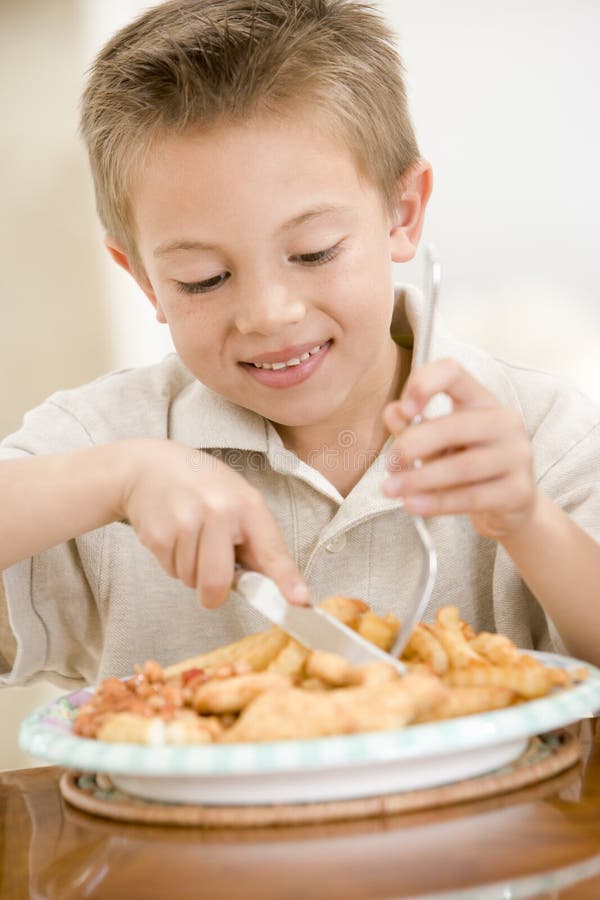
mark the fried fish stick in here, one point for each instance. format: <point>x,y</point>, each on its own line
<point>296,714</point>
<point>133,728</point>
<point>230,695</point>
<point>258,650</point>
<point>347,609</point>
<point>331,668</point>
<point>380,631</point>
<point>335,671</point>
<point>375,673</point>
<point>291,659</point>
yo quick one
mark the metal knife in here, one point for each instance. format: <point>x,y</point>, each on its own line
<point>310,625</point>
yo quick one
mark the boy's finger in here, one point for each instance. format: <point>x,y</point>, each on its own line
<point>461,428</point>
<point>444,376</point>
<point>186,557</point>
<point>394,417</point>
<point>466,467</point>
<point>494,497</point>
<point>267,552</point>
<point>216,564</point>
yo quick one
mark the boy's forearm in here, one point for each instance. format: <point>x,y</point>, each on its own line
<point>561,565</point>
<point>45,500</point>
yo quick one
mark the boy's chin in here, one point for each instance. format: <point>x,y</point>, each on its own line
<point>301,418</point>
<point>289,420</point>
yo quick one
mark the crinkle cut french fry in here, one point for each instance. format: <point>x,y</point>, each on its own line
<point>425,647</point>
<point>296,714</point>
<point>562,677</point>
<point>528,682</point>
<point>229,695</point>
<point>467,631</point>
<point>497,648</point>
<point>258,650</point>
<point>448,630</point>
<point>467,701</point>
<point>557,677</point>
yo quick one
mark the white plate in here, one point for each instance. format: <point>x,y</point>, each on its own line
<point>331,768</point>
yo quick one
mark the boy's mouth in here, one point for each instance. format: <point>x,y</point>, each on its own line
<point>287,367</point>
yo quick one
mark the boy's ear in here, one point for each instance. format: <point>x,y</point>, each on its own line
<point>122,259</point>
<point>414,191</point>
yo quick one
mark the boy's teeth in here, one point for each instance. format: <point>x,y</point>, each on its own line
<point>295,361</point>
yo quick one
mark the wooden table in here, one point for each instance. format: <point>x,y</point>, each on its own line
<point>542,842</point>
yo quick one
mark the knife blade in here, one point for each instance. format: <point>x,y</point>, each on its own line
<point>310,625</point>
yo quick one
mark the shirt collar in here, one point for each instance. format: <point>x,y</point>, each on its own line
<point>203,419</point>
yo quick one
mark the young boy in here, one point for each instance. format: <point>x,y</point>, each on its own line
<point>256,172</point>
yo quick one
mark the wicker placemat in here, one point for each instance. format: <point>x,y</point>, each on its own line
<point>545,756</point>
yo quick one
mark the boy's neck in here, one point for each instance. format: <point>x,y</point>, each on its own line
<point>344,448</point>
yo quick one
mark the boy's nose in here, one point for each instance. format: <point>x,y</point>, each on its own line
<point>267,309</point>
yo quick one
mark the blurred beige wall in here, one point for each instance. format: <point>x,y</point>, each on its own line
<point>54,323</point>
<point>54,328</point>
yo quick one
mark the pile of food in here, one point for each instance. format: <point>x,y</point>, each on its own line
<point>267,686</point>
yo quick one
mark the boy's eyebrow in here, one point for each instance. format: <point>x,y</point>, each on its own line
<point>187,244</point>
<point>182,244</point>
<point>313,213</point>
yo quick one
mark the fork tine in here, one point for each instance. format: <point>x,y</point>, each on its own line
<point>429,567</point>
<point>424,587</point>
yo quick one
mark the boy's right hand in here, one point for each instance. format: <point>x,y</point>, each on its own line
<point>199,517</point>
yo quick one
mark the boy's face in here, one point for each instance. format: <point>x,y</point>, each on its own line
<point>262,244</point>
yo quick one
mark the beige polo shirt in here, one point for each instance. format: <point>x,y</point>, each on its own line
<point>100,603</point>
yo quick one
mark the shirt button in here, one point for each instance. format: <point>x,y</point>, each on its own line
<point>336,544</point>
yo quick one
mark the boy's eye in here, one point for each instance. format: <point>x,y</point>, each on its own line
<point>318,257</point>
<point>202,287</point>
<point>210,284</point>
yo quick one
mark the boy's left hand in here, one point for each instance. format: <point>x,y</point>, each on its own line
<point>476,461</point>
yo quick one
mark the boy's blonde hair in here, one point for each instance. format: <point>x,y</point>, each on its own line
<point>190,64</point>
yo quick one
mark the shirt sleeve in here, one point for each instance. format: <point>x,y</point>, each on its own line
<point>51,620</point>
<point>564,426</point>
<point>572,477</point>
<point>566,445</point>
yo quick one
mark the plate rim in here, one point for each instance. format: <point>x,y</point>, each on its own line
<point>433,739</point>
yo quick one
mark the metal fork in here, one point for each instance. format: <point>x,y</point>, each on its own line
<point>429,562</point>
